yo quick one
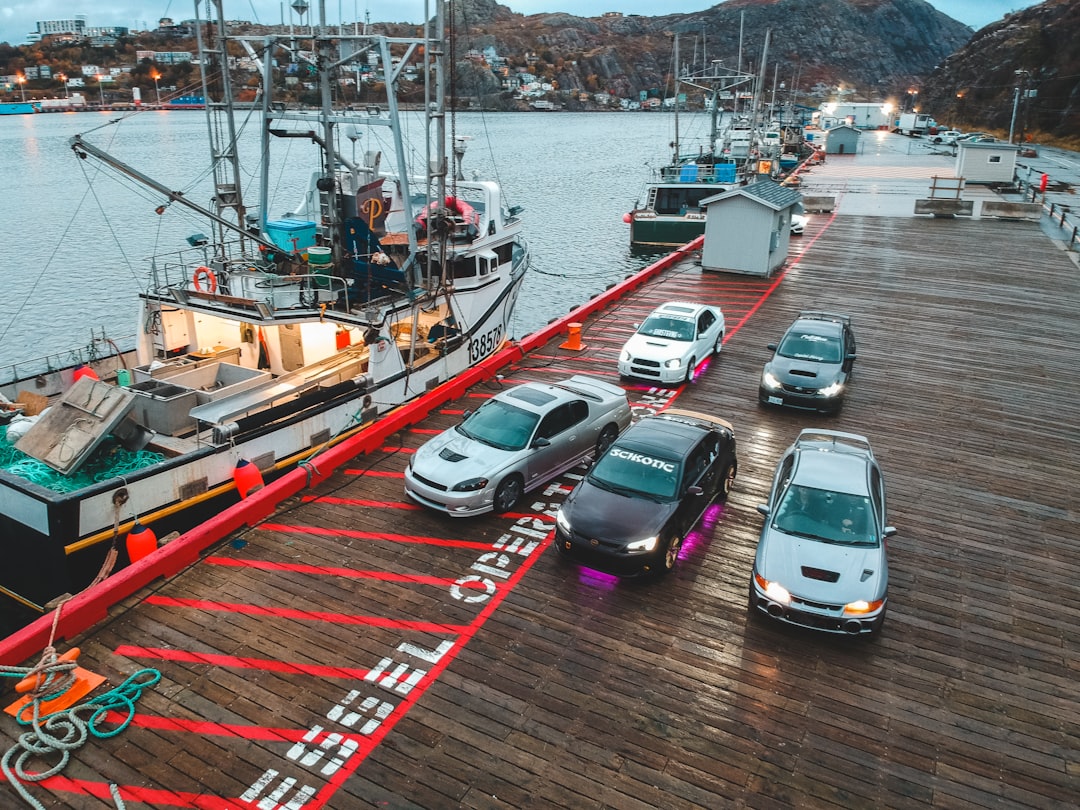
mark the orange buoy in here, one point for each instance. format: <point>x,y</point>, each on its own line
<point>247,477</point>
<point>573,341</point>
<point>140,542</point>
<point>85,371</point>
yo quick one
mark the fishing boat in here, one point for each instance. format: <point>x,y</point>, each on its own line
<point>265,339</point>
<point>669,212</point>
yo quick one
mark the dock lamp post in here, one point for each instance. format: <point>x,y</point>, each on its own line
<point>101,89</point>
<point>157,91</point>
<point>1016,99</point>
<point>22,86</point>
<point>64,79</point>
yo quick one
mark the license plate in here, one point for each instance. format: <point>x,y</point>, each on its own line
<point>775,401</point>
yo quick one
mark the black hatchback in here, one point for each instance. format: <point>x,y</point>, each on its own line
<point>631,512</point>
<point>811,366</point>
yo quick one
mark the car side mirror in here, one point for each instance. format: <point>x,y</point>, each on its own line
<point>466,415</point>
<point>849,357</point>
<point>889,531</point>
<point>540,441</point>
<point>763,508</point>
<point>771,347</point>
<point>695,490</point>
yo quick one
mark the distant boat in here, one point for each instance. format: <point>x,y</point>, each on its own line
<point>670,213</point>
<point>269,339</point>
<point>17,108</point>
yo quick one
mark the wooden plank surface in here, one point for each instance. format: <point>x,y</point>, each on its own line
<point>464,665</point>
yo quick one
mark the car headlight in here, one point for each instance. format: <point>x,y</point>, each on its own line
<point>832,390</point>
<point>860,607</point>
<point>675,362</point>
<point>769,380</point>
<point>472,485</point>
<point>562,521</point>
<point>773,590</point>
<point>648,544</point>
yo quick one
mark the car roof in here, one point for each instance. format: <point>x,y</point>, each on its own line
<point>536,397</point>
<point>664,437</point>
<point>816,326</point>
<point>679,309</point>
<point>832,470</point>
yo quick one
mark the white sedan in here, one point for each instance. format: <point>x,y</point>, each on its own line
<point>672,341</point>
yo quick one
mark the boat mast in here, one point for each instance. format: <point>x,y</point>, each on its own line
<point>227,190</point>
<point>677,74</point>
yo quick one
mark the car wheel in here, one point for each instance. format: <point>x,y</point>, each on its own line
<point>671,553</point>
<point>719,344</point>
<point>508,492</point>
<point>727,481</point>
<point>691,367</point>
<point>605,440</point>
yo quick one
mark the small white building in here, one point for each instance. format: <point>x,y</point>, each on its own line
<point>748,229</point>
<point>986,161</point>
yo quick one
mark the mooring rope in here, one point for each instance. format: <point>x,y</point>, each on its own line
<point>67,730</point>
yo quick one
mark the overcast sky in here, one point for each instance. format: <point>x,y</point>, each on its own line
<point>18,17</point>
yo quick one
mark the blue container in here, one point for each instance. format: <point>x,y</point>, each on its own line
<point>724,172</point>
<point>688,173</point>
<point>293,235</point>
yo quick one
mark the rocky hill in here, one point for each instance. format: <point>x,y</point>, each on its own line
<point>1029,61</point>
<point>876,47</point>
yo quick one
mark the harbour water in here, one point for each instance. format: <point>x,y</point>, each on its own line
<point>77,235</point>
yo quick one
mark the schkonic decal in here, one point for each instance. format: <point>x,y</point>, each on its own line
<point>639,458</point>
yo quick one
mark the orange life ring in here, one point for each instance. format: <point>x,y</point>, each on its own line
<point>211,280</point>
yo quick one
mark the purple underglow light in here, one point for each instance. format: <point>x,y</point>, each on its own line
<point>700,537</point>
<point>590,576</point>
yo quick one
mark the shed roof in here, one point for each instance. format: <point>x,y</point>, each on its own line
<point>766,191</point>
<point>842,126</point>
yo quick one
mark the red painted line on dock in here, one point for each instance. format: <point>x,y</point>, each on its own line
<point>368,744</point>
<point>425,431</point>
<point>396,449</point>
<point>331,571</point>
<point>151,797</point>
<point>406,505</point>
<point>207,727</point>
<point>385,536</point>
<point>306,615</point>
<point>236,662</point>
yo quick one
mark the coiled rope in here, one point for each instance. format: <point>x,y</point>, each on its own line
<point>67,730</point>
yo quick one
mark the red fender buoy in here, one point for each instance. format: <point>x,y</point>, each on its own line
<point>247,477</point>
<point>85,371</point>
<point>140,542</point>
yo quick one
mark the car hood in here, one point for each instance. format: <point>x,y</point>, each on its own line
<point>596,512</point>
<point>804,373</point>
<point>803,566</point>
<point>451,458</point>
<point>655,348</point>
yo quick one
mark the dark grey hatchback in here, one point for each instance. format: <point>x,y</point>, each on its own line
<point>811,366</point>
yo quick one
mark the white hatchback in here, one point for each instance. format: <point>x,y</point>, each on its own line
<point>672,342</point>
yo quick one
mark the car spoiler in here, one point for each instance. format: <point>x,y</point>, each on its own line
<point>817,315</point>
<point>836,438</point>
<point>682,415</point>
<point>592,387</point>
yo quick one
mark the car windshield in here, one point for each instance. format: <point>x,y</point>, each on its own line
<point>662,326</point>
<point>808,346</point>
<point>835,517</point>
<point>500,425</point>
<point>625,470</point>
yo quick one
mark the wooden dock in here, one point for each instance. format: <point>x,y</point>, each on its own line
<point>358,651</point>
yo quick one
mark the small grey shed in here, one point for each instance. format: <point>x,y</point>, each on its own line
<point>841,140</point>
<point>747,229</point>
